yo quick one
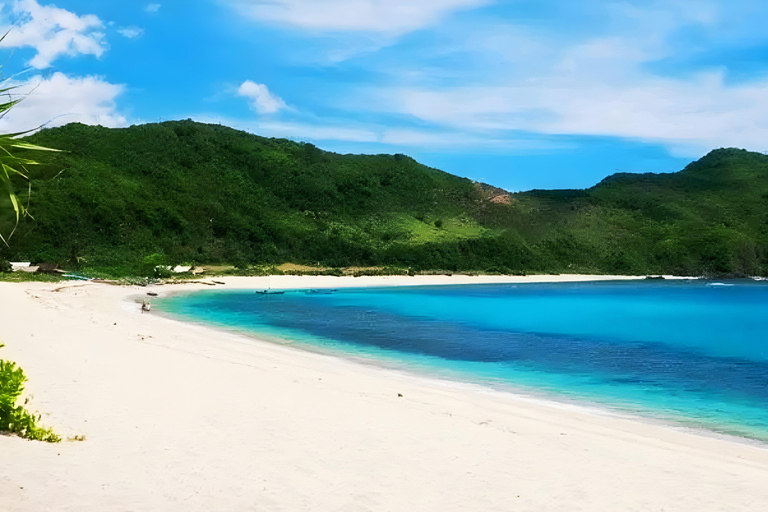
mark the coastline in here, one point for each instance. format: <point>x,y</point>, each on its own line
<point>180,416</point>
<point>530,393</point>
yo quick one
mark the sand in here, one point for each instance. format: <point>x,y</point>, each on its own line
<point>180,417</point>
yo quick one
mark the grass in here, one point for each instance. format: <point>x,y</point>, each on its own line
<point>14,418</point>
<point>25,277</point>
<point>426,231</point>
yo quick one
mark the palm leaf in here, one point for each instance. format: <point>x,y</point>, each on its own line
<point>33,147</point>
<point>12,166</point>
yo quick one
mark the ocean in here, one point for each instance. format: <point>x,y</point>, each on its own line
<point>688,352</point>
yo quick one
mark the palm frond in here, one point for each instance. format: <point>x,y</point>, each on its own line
<point>13,167</point>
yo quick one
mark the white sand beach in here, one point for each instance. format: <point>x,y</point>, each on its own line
<point>181,417</point>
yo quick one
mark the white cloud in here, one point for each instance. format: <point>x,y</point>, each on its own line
<point>373,136</point>
<point>387,16</point>
<point>602,85</point>
<point>690,115</point>
<point>60,99</point>
<point>261,100</point>
<point>454,139</point>
<point>53,32</point>
<point>152,8</point>
<point>130,32</point>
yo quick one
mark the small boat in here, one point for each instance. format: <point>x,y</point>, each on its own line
<point>320,291</point>
<point>269,290</point>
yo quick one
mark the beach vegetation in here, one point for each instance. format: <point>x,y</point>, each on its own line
<point>24,277</point>
<point>15,418</point>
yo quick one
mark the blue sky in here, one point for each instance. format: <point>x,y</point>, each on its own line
<point>520,94</point>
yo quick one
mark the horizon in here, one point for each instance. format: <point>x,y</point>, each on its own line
<point>524,95</point>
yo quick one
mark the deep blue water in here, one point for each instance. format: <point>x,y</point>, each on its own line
<point>690,352</point>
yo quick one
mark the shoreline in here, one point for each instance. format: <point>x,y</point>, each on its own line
<point>305,282</point>
<point>179,416</point>
<point>521,393</point>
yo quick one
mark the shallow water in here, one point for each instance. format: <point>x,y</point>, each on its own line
<point>691,352</point>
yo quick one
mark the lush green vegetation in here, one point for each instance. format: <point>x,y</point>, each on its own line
<point>15,418</point>
<point>119,202</point>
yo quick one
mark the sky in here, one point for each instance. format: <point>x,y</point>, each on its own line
<point>520,94</point>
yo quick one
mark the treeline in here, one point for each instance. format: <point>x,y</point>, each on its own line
<point>184,192</point>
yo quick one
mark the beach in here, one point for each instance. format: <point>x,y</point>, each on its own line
<point>179,416</point>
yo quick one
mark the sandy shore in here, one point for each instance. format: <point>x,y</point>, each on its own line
<point>181,417</point>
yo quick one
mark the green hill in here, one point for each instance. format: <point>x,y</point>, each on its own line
<point>710,218</point>
<point>198,193</point>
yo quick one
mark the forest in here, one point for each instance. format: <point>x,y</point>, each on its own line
<point>182,192</point>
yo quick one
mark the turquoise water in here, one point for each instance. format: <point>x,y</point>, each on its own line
<point>690,352</point>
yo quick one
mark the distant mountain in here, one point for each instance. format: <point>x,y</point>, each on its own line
<point>197,193</point>
<point>710,218</point>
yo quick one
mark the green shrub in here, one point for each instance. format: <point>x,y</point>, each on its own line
<point>155,265</point>
<point>15,418</point>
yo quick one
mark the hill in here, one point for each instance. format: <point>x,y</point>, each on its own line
<point>189,192</point>
<point>710,218</point>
